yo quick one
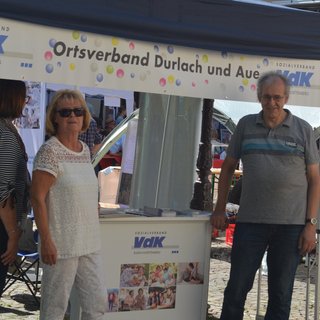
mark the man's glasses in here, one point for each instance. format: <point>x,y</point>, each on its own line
<point>27,99</point>
<point>65,113</point>
<point>268,98</point>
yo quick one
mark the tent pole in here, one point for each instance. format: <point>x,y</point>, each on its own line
<point>317,285</point>
<point>202,194</point>
<point>309,266</point>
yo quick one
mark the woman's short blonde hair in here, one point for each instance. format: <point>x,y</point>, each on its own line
<point>61,95</point>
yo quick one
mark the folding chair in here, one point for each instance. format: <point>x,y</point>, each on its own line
<point>26,269</point>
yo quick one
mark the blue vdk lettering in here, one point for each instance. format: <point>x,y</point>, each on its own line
<point>138,241</point>
<point>158,242</point>
<point>305,79</point>
<point>298,79</point>
<point>152,242</point>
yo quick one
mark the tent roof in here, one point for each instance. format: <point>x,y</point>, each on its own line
<point>220,25</point>
<point>224,119</point>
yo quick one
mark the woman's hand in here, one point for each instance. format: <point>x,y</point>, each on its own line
<point>12,247</point>
<point>48,252</point>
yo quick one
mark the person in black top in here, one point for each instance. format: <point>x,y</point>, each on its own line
<point>13,173</point>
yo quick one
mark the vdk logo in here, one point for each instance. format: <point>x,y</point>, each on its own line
<point>298,78</point>
<point>3,38</point>
<point>148,242</point>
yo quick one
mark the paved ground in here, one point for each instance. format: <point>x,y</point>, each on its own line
<point>17,303</point>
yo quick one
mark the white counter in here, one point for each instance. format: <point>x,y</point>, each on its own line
<point>130,242</point>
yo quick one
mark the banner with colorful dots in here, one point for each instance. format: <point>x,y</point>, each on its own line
<point>38,53</point>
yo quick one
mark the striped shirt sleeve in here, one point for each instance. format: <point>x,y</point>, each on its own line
<point>9,164</point>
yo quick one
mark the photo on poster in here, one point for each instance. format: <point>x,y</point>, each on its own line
<point>162,275</point>
<point>134,275</point>
<point>190,273</point>
<point>161,298</point>
<point>112,300</point>
<point>133,299</point>
<point>30,118</point>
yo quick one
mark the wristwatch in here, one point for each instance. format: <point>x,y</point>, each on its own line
<point>313,221</point>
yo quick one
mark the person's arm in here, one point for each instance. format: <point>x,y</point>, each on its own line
<point>117,147</point>
<point>307,241</point>
<point>40,186</point>
<point>9,220</point>
<point>10,161</point>
<point>218,217</point>
<point>97,143</point>
<point>95,148</point>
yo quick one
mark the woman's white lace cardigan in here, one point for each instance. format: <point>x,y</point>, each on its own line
<point>72,201</point>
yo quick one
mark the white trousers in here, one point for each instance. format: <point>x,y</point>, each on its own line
<point>57,282</point>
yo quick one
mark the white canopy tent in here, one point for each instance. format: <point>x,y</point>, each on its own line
<point>236,30</point>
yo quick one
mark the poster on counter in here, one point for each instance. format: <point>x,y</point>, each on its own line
<point>155,267</point>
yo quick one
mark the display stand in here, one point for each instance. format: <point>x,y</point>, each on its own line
<point>173,244</point>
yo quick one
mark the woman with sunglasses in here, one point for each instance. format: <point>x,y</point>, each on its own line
<point>14,180</point>
<point>64,195</point>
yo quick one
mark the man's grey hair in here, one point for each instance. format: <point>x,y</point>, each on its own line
<point>269,77</point>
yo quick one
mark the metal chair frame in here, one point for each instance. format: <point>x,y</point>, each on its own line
<point>27,261</point>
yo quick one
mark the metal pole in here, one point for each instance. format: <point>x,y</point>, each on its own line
<point>259,294</point>
<point>308,285</point>
<point>317,284</point>
<point>202,195</point>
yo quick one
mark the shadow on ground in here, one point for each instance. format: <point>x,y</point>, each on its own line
<point>14,311</point>
<point>220,251</point>
<point>28,302</point>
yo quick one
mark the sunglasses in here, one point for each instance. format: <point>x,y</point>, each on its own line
<point>65,113</point>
